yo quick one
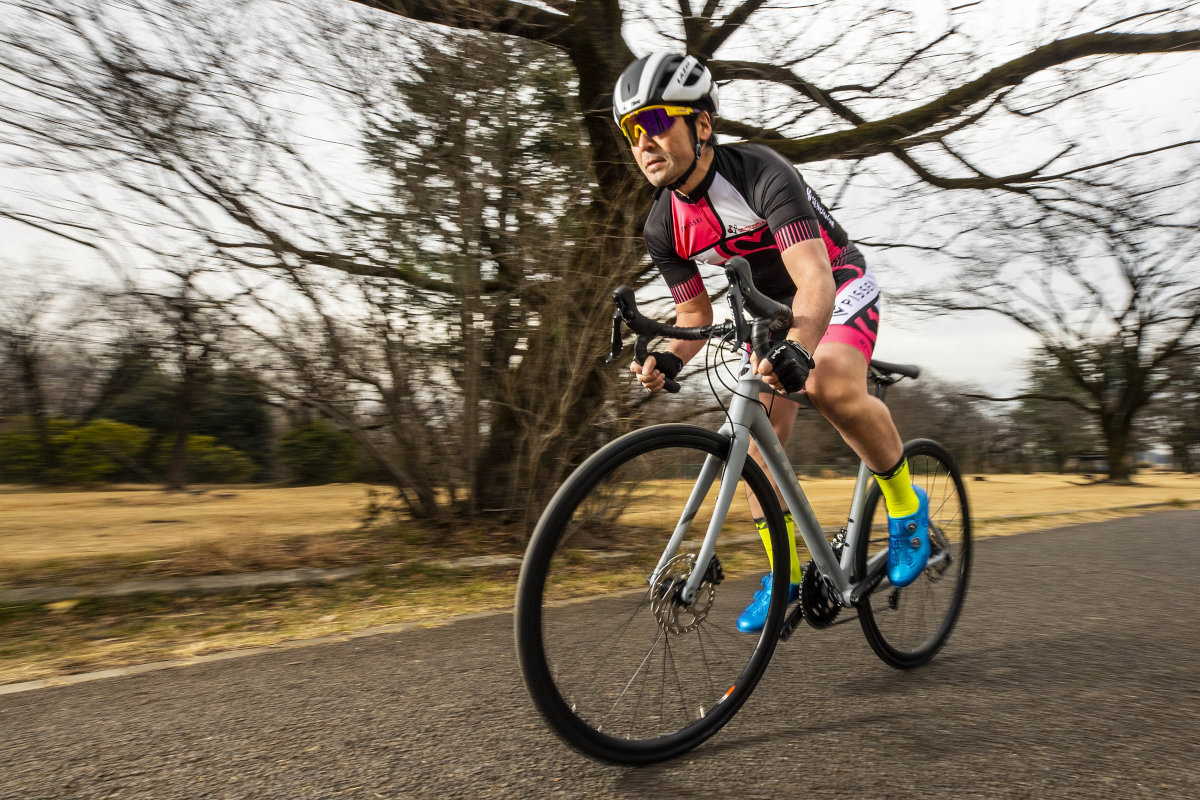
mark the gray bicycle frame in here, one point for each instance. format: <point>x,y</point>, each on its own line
<point>748,420</point>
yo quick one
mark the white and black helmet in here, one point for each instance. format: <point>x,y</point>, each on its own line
<point>664,79</point>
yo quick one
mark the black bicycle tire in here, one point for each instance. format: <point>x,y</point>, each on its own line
<point>531,655</point>
<point>888,653</point>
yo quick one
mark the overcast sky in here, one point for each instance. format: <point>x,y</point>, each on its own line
<point>982,350</point>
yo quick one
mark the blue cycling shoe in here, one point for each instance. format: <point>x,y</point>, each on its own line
<point>754,617</point>
<point>908,543</point>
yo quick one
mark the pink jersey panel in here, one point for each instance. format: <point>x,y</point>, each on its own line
<point>696,226</point>
<point>834,250</point>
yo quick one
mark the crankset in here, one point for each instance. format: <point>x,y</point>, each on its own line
<point>819,605</point>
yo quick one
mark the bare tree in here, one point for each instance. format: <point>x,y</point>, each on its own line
<point>1113,314</point>
<point>852,121</point>
<point>1056,431</point>
<point>52,361</point>
<point>184,110</point>
<point>24,342</point>
<point>192,327</point>
<point>1175,413</point>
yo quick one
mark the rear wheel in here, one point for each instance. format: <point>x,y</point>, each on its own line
<point>906,627</point>
<point>619,663</point>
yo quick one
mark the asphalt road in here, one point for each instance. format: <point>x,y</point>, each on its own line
<point>1073,674</point>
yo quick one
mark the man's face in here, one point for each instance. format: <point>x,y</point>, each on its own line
<point>665,157</point>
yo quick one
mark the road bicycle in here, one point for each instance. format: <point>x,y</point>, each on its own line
<point>642,561</point>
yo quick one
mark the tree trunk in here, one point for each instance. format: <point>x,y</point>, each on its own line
<point>35,400</point>
<point>177,476</point>
<point>1182,453</point>
<point>1117,441</point>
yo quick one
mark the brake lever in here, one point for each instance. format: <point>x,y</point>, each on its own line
<point>627,312</point>
<point>617,343</point>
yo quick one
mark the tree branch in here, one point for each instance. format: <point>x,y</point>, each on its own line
<point>1050,398</point>
<point>734,20</point>
<point>750,70</point>
<point>488,16</point>
<point>873,138</point>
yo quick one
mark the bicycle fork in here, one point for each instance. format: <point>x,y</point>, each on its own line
<point>736,460</point>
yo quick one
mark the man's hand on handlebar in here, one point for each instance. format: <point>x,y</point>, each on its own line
<point>786,367</point>
<point>658,367</point>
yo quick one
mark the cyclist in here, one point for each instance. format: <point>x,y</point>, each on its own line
<point>714,202</point>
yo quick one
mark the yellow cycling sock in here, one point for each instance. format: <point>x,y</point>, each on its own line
<point>765,533</point>
<point>897,491</point>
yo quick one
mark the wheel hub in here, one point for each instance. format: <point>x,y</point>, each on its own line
<point>673,615</point>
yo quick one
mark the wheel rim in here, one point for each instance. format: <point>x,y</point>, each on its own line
<point>632,665</point>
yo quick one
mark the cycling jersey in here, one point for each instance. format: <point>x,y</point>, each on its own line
<point>753,203</point>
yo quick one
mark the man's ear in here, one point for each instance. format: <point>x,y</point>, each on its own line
<point>704,126</point>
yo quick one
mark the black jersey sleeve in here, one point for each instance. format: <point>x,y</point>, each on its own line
<point>779,195</point>
<point>681,274</point>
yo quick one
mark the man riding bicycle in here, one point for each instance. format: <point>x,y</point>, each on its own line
<point>716,202</point>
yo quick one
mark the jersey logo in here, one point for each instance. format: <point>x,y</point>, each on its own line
<point>734,229</point>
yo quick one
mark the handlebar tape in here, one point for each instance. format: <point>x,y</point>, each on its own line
<point>769,315</point>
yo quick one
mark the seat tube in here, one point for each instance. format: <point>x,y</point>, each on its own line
<point>855,525</point>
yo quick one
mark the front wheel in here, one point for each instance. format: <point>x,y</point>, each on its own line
<point>906,627</point>
<point>620,662</point>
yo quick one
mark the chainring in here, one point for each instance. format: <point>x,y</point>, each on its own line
<point>817,598</point>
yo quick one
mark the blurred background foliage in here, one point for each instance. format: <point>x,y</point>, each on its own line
<point>340,243</point>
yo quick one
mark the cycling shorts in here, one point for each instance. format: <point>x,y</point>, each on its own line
<point>855,318</point>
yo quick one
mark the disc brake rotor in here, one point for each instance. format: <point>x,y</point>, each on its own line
<point>673,615</point>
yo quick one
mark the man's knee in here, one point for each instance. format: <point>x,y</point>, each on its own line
<point>837,381</point>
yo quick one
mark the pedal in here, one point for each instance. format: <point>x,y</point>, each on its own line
<point>789,624</point>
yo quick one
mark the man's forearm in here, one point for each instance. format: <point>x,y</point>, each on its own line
<point>810,318</point>
<point>686,349</point>
<point>812,307</point>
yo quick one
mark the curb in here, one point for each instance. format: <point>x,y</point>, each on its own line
<point>219,583</point>
<point>203,583</point>
<point>229,655</point>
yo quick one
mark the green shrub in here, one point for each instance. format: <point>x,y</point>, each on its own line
<point>89,453</point>
<point>211,462</point>
<point>20,456</point>
<point>96,451</point>
<point>316,453</point>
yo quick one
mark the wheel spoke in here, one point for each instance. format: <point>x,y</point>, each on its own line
<point>637,671</point>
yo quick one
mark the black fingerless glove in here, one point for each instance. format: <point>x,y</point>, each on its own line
<point>668,364</point>
<point>792,363</point>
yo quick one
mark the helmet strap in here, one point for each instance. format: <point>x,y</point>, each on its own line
<point>687,173</point>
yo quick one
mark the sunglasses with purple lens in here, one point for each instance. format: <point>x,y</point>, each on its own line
<point>653,121</point>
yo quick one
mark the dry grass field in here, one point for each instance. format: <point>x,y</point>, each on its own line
<point>81,537</point>
<point>46,525</point>
<point>39,526</point>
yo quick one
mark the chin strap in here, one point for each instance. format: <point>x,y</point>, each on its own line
<point>687,173</point>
